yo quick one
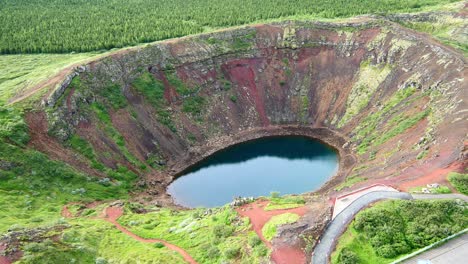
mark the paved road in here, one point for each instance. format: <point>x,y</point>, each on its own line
<point>440,196</point>
<point>454,251</point>
<point>341,221</point>
<point>338,225</point>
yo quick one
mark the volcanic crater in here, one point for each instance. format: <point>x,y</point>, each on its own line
<point>388,99</point>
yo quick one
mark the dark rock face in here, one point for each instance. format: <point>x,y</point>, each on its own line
<point>343,83</point>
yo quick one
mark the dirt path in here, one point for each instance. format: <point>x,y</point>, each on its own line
<point>113,213</point>
<point>258,217</point>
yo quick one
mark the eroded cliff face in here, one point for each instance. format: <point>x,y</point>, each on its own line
<point>392,101</point>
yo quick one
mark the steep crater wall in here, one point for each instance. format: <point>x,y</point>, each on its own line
<point>390,100</point>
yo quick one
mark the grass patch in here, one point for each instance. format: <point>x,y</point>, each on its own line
<point>193,105</point>
<point>439,190</point>
<point>270,228</point>
<point>285,202</point>
<point>213,237</point>
<point>81,243</point>
<point>150,88</point>
<point>459,181</point>
<point>349,182</point>
<point>21,72</point>
<point>33,188</point>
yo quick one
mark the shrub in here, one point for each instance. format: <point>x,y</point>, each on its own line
<point>159,245</point>
<point>459,181</point>
<point>222,231</point>
<point>101,261</point>
<point>274,194</point>
<point>193,105</point>
<point>254,241</point>
<point>232,252</point>
<point>213,252</point>
<point>348,257</point>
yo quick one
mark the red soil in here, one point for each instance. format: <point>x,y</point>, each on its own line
<point>113,213</point>
<point>66,213</point>
<point>283,254</point>
<point>436,176</point>
<point>3,259</point>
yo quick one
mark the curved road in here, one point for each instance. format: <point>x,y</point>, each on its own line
<point>338,225</point>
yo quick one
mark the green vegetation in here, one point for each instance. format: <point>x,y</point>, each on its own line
<point>193,105</point>
<point>33,188</point>
<point>152,89</point>
<point>105,121</point>
<point>113,95</point>
<point>79,243</point>
<point>389,229</point>
<point>81,25</point>
<point>371,136</point>
<point>448,29</point>
<point>369,79</point>
<point>12,126</point>
<point>233,98</point>
<point>439,190</point>
<point>270,228</point>
<point>210,236</point>
<point>285,202</point>
<point>350,181</point>
<point>459,181</point>
<point>21,72</point>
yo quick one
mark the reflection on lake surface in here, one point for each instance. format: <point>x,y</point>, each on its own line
<point>289,165</point>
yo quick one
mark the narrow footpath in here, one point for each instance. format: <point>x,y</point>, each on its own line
<point>113,213</point>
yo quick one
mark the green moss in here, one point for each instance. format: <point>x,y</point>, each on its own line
<point>269,229</point>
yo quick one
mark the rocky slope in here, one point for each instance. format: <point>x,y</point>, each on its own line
<point>390,100</point>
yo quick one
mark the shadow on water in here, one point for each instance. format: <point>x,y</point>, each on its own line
<point>284,147</point>
<point>290,165</point>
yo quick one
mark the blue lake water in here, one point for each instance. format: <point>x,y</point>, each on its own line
<point>289,165</point>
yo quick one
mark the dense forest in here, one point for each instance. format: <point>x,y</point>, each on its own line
<point>59,26</point>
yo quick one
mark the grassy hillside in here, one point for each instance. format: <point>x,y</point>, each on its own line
<point>35,26</point>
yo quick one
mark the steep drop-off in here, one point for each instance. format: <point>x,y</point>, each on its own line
<point>390,100</point>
